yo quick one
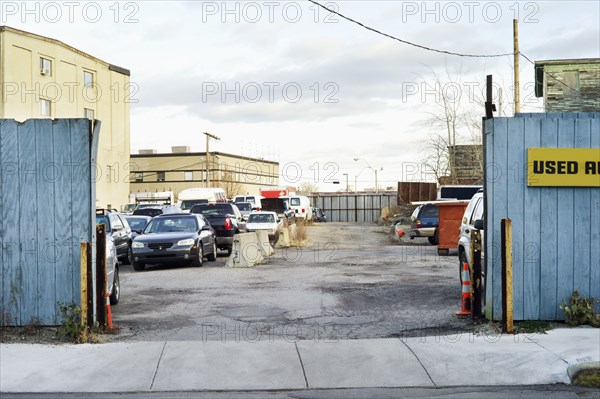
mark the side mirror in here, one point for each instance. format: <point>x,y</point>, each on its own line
<point>479,225</point>
<point>117,228</point>
<point>205,227</point>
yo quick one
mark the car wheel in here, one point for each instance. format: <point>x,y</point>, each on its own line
<point>115,293</point>
<point>200,259</point>
<point>434,240</point>
<point>213,255</point>
<point>138,266</point>
<point>129,257</point>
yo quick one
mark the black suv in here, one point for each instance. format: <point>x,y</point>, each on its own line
<point>118,230</point>
<point>225,218</point>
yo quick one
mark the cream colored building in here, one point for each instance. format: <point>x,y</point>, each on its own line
<point>42,77</point>
<point>181,169</point>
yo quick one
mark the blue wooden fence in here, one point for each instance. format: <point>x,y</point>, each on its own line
<point>556,230</point>
<point>47,202</point>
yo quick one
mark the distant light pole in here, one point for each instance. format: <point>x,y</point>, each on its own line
<point>208,137</point>
<point>346,174</point>
<point>373,169</point>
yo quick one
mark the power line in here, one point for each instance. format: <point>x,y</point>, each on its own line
<point>548,74</point>
<point>406,41</point>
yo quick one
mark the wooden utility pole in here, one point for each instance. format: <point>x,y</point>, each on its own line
<point>516,66</point>
<point>208,137</point>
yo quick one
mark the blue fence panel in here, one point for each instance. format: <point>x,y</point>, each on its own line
<point>556,246</point>
<point>46,209</point>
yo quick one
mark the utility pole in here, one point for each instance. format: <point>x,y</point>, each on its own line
<point>208,137</point>
<point>346,174</point>
<point>516,65</point>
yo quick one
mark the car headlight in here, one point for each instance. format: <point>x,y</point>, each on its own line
<point>136,244</point>
<point>186,243</point>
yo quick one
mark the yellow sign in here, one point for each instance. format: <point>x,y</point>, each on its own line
<point>563,167</point>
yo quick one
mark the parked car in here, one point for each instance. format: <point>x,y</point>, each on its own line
<point>245,209</point>
<point>319,215</point>
<point>267,221</point>
<point>137,223</point>
<point>118,230</point>
<point>424,223</point>
<point>225,218</point>
<point>128,209</point>
<point>255,200</point>
<point>172,238</point>
<point>472,219</point>
<point>157,210</point>
<point>113,284</point>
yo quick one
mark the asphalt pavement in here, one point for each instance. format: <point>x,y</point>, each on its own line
<point>278,365</point>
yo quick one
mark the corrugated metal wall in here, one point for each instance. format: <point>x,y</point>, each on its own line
<point>556,230</point>
<point>346,207</point>
<point>46,210</point>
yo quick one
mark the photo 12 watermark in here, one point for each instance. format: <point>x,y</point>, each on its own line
<point>253,12</point>
<point>55,12</point>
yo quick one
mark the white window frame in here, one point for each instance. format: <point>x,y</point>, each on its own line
<point>45,107</point>
<point>45,66</point>
<point>85,82</point>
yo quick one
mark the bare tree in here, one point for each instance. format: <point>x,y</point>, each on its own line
<point>230,186</point>
<point>307,187</point>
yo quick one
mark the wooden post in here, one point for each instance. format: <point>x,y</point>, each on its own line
<point>101,274</point>
<point>83,265</point>
<point>507,289</point>
<point>516,65</point>
<point>90,288</point>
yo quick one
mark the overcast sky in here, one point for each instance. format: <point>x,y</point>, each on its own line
<point>290,82</point>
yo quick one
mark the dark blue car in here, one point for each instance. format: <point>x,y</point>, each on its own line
<point>424,223</point>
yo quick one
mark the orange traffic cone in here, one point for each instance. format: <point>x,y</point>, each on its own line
<point>400,232</point>
<point>466,292</point>
<point>109,323</point>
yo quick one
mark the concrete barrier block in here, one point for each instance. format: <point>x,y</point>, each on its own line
<point>292,229</point>
<point>265,245</point>
<point>284,238</point>
<point>246,251</point>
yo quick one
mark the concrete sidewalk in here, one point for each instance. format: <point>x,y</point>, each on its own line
<point>453,360</point>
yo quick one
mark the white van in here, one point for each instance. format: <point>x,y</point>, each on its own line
<point>192,196</point>
<point>300,204</point>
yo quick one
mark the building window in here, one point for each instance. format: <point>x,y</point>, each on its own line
<point>571,83</point>
<point>108,174</point>
<point>160,176</point>
<point>188,176</point>
<point>45,67</point>
<point>139,177</point>
<point>88,79</point>
<point>88,113</point>
<point>45,107</point>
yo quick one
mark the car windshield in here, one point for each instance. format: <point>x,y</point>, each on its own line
<point>147,205</point>
<point>261,218</point>
<point>188,204</point>
<point>244,206</point>
<point>148,212</point>
<point>137,224</point>
<point>103,219</point>
<point>172,224</point>
<point>429,211</point>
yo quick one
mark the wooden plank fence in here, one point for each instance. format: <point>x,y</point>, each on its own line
<point>556,230</point>
<point>47,203</point>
